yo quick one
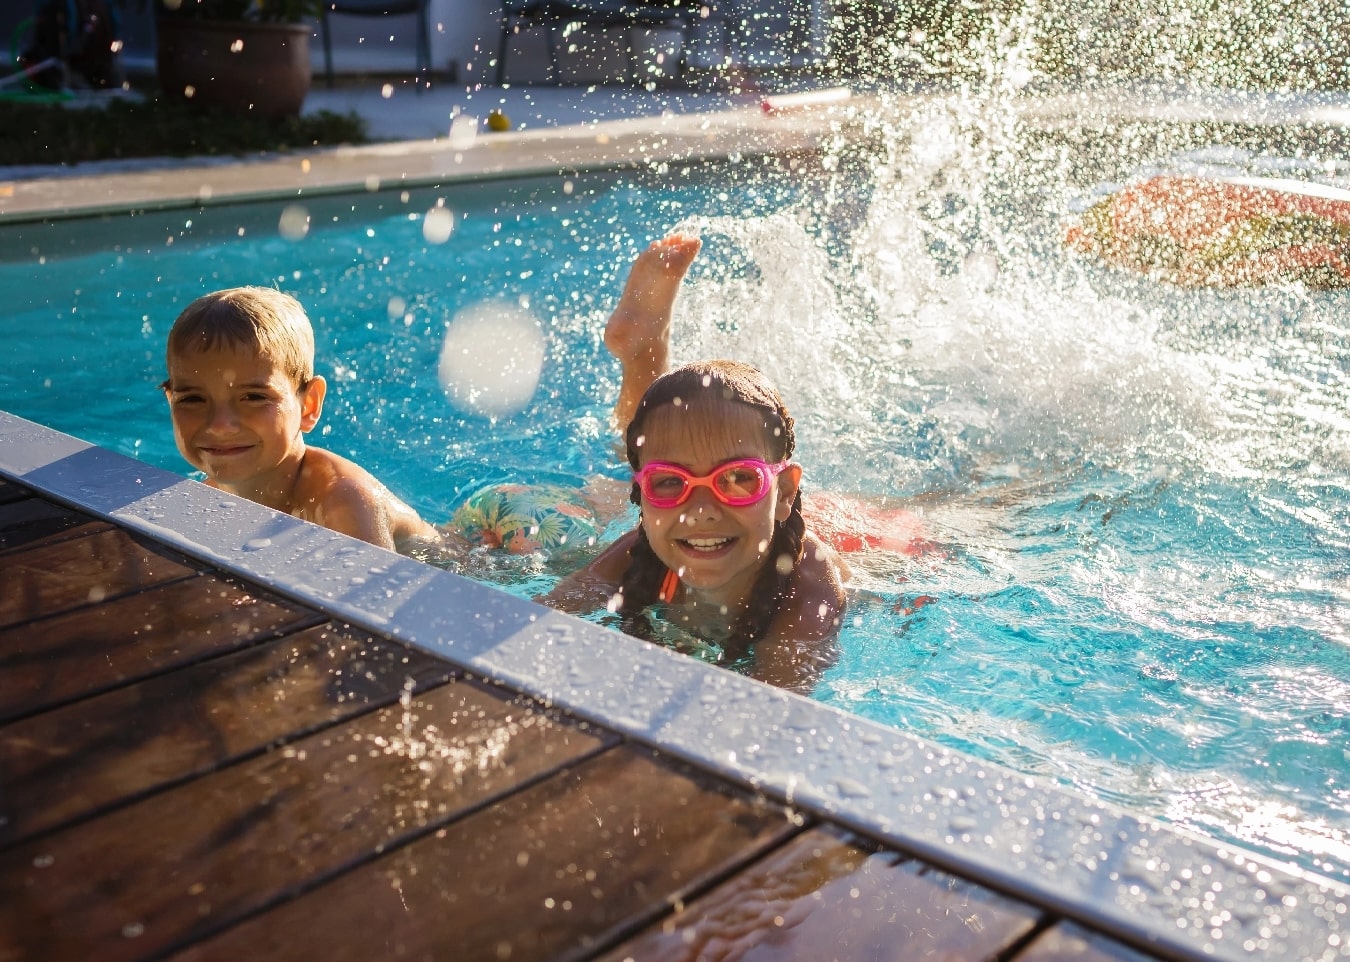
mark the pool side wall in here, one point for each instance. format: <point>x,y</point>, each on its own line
<point>1132,877</point>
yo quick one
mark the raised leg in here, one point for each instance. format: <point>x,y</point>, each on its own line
<point>638,332</point>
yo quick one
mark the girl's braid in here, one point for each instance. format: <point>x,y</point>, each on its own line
<point>640,586</point>
<point>772,587</point>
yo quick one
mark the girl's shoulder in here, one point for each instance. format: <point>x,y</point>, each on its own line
<point>817,596</point>
<point>613,562</point>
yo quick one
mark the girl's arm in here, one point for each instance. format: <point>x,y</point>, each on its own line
<point>591,588</point>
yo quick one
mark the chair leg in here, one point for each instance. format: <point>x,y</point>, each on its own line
<point>551,38</point>
<point>508,24</point>
<point>423,47</point>
<point>327,45</point>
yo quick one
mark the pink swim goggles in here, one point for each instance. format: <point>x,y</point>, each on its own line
<point>736,484</point>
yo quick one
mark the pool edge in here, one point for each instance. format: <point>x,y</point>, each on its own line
<point>158,183</point>
<point>1130,876</point>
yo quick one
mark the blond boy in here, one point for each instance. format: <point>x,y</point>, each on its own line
<point>242,393</point>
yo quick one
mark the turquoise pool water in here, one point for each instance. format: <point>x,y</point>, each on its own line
<point>1141,493</point>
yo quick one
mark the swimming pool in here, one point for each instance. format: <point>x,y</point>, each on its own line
<point>1141,492</point>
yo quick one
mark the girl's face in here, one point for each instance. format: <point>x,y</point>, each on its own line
<point>717,550</point>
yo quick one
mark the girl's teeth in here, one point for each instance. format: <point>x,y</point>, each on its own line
<point>706,544</point>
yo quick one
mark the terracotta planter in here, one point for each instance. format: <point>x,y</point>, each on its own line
<point>242,67</point>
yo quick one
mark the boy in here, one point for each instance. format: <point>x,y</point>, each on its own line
<point>242,393</point>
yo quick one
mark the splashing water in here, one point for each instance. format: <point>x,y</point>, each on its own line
<point>1144,488</point>
<point>440,756</point>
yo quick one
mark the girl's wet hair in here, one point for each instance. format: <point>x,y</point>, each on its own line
<point>258,319</point>
<point>728,382</point>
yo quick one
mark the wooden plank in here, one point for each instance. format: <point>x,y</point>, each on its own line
<point>99,647</point>
<point>73,761</point>
<point>762,904</point>
<point>47,580</point>
<point>550,873</point>
<point>824,896</point>
<point>166,870</point>
<point>29,521</point>
<point>1067,942</point>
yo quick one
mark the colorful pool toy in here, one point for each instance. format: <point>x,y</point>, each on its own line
<point>523,518</point>
<point>1222,231</point>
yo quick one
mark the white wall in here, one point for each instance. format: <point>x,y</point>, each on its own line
<point>464,32</point>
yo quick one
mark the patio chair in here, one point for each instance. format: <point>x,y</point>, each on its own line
<point>592,13</point>
<point>382,8</point>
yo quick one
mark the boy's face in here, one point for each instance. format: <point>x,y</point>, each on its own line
<point>238,417</point>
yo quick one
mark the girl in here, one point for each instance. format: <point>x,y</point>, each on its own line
<point>638,335</point>
<point>721,550</point>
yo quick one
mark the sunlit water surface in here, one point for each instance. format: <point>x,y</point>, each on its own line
<point>1141,493</point>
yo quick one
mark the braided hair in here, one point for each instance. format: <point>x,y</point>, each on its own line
<point>737,383</point>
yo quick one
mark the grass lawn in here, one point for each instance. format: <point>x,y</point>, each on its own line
<point>54,132</point>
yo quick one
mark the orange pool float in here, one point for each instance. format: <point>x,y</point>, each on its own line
<point>848,524</point>
<point>1222,231</point>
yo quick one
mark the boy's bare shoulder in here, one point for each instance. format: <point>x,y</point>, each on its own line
<point>340,494</point>
<point>326,476</point>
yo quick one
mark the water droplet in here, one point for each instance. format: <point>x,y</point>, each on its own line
<point>850,788</point>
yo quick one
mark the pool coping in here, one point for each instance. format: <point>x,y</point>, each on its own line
<point>634,142</point>
<point>1134,878</point>
<point>777,125</point>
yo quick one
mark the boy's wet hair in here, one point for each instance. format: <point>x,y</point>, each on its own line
<point>729,382</point>
<point>258,319</point>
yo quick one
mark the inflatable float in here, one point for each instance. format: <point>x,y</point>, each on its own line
<point>1222,231</point>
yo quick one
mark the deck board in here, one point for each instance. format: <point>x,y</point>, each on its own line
<point>150,876</point>
<point>9,491</point>
<point>25,520</point>
<point>97,648</point>
<point>74,760</point>
<point>53,577</point>
<point>546,874</point>
<point>192,768</point>
<point>1069,943</point>
<point>826,896</point>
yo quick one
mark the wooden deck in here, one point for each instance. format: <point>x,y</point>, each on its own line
<point>193,768</point>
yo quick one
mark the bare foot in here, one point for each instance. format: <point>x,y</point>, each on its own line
<point>641,320</point>
<point>638,332</point>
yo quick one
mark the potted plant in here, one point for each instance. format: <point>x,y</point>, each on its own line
<point>239,55</point>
